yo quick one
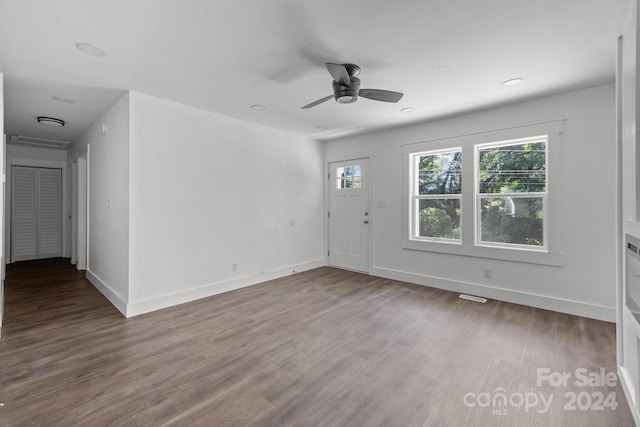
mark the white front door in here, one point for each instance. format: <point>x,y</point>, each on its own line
<point>349,215</point>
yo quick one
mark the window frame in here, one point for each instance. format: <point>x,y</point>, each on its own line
<point>544,195</point>
<point>552,254</point>
<point>415,197</point>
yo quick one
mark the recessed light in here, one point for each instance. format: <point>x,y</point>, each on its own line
<point>408,110</point>
<point>512,82</point>
<point>63,100</point>
<point>50,121</point>
<point>321,127</point>
<point>258,107</point>
<point>90,49</point>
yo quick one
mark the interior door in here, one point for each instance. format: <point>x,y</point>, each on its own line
<point>36,213</point>
<point>49,213</point>
<point>24,213</point>
<point>349,215</point>
<point>3,254</point>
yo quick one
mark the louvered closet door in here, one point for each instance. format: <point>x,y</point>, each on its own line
<point>49,213</point>
<point>24,213</point>
<point>36,213</point>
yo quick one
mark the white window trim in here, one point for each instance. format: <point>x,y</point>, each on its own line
<point>543,195</point>
<point>414,159</point>
<point>468,246</point>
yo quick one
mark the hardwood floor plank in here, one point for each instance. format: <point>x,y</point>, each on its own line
<point>322,348</point>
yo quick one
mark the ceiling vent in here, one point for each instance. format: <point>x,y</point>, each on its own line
<point>38,142</point>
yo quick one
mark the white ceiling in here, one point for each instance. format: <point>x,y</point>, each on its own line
<point>447,56</point>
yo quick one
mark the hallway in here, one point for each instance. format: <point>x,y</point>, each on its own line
<point>48,295</point>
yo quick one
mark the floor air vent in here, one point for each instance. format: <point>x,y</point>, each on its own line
<point>472,298</point>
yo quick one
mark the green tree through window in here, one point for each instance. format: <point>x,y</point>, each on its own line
<point>437,202</point>
<point>508,197</point>
<point>512,189</point>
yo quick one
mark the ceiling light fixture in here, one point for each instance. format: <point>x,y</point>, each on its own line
<point>512,82</point>
<point>408,110</point>
<point>346,99</point>
<point>50,121</point>
<point>63,100</point>
<point>90,49</point>
<point>258,107</point>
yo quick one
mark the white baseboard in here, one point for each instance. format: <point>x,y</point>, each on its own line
<point>623,375</point>
<point>533,300</point>
<point>136,308</point>
<point>112,295</point>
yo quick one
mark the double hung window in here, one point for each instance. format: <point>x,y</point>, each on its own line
<point>486,195</point>
<point>511,193</point>
<point>437,195</point>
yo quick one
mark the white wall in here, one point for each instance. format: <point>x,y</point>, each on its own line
<point>208,191</point>
<point>108,208</point>
<point>35,153</point>
<point>628,327</point>
<point>585,284</point>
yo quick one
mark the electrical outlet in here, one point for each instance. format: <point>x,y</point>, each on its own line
<point>234,266</point>
<point>487,273</point>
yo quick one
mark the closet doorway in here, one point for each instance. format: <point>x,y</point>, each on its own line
<point>36,213</point>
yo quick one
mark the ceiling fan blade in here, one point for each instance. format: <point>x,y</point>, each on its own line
<point>319,101</point>
<point>339,73</point>
<point>381,95</point>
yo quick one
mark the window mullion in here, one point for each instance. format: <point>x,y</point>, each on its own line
<point>467,204</point>
<point>512,195</point>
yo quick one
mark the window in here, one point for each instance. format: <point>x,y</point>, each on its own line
<point>348,177</point>
<point>486,195</point>
<point>511,195</point>
<point>437,191</point>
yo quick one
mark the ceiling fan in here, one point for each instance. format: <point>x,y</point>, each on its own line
<point>346,87</point>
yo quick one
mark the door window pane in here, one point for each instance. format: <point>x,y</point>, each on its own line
<point>349,177</point>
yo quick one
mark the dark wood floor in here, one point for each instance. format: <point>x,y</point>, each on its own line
<point>321,348</point>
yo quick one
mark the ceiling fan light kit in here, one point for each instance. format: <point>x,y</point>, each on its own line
<point>346,87</point>
<point>346,94</point>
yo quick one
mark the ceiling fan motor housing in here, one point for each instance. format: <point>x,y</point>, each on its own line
<point>346,94</point>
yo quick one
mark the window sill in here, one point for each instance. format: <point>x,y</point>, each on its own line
<point>533,256</point>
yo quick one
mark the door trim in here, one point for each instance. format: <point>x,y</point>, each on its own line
<point>74,212</point>
<point>82,213</point>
